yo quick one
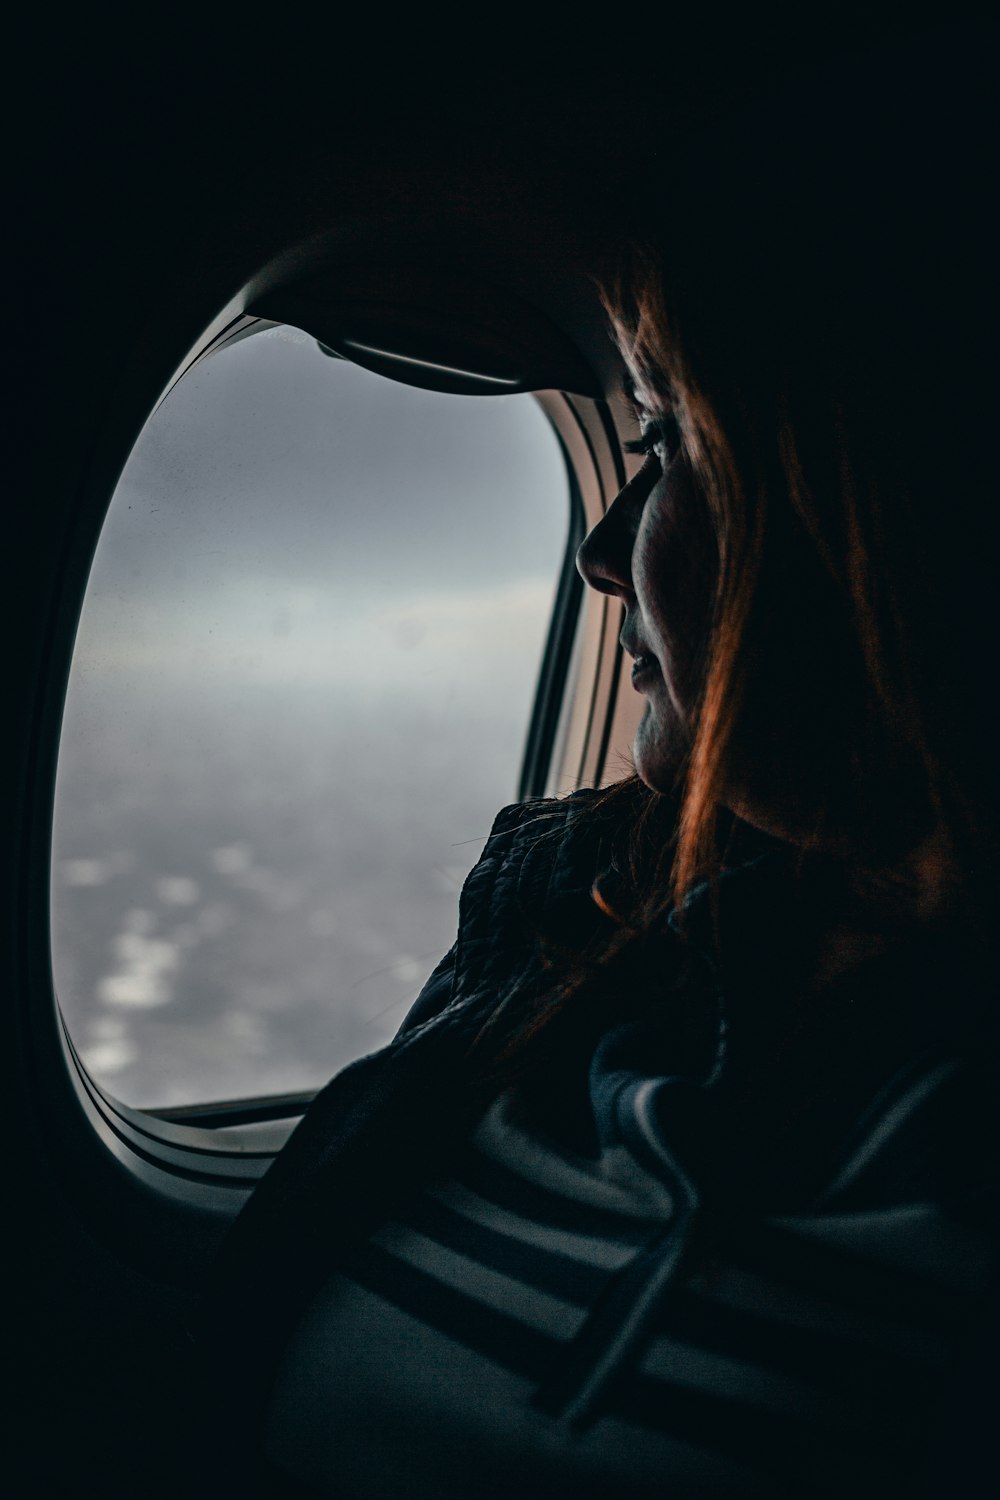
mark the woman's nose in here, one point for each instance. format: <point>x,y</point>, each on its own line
<point>604,558</point>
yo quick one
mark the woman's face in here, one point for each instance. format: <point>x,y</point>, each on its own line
<point>655,550</point>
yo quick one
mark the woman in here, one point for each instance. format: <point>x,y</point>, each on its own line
<point>680,1177</point>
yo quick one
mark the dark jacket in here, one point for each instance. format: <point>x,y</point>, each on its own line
<point>391,1120</point>
<point>877,1096</point>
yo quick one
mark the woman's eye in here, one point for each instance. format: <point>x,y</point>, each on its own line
<point>660,437</point>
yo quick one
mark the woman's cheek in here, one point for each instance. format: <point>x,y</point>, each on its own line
<point>674,568</point>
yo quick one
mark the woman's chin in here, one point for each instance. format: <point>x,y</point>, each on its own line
<point>658,750</point>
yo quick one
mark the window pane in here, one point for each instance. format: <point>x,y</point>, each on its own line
<point>301,686</point>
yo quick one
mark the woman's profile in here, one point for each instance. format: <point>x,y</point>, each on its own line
<point>681,1175</point>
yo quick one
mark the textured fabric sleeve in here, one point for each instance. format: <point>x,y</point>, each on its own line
<point>435,994</point>
<point>477,917</point>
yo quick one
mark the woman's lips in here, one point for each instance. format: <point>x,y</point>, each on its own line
<point>645,669</point>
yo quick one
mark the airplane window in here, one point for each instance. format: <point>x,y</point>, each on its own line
<point>300,691</point>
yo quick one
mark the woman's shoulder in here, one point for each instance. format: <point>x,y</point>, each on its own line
<point>538,851</point>
<point>542,817</point>
<point>537,854</point>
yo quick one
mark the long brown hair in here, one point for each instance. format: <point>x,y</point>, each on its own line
<point>810,288</point>
<point>815,301</point>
